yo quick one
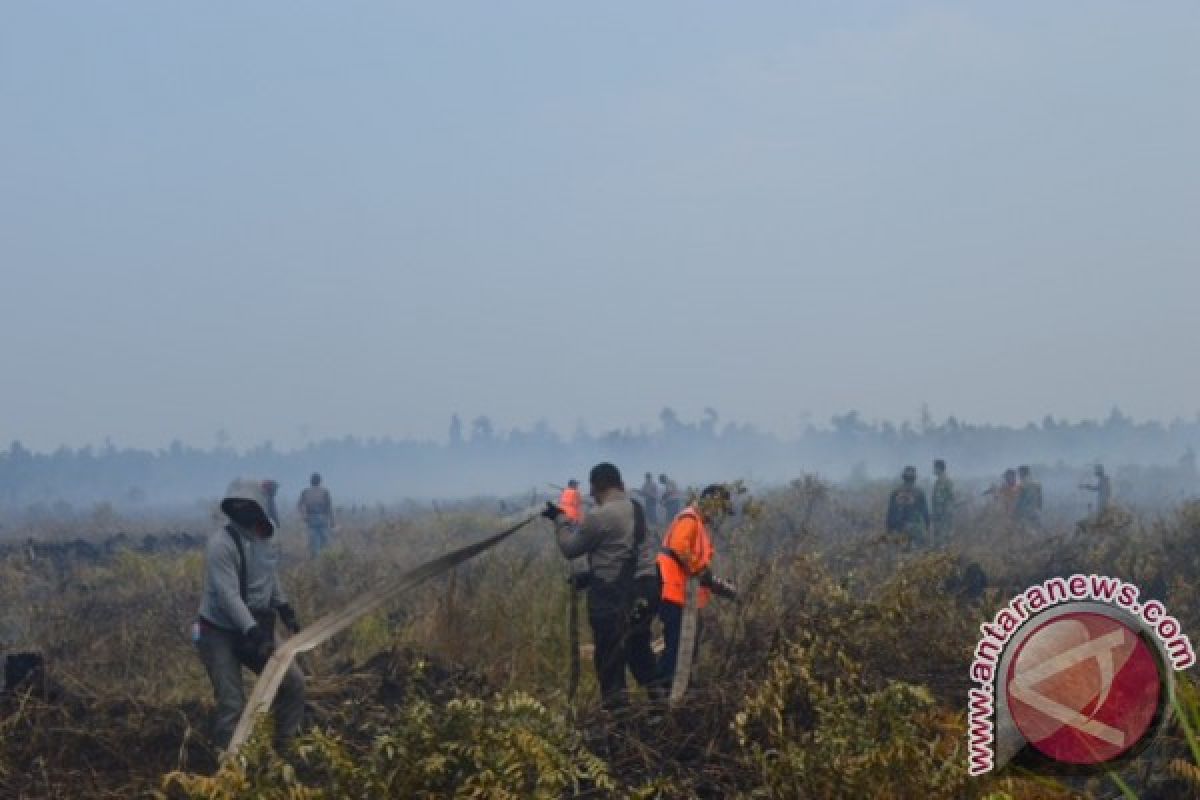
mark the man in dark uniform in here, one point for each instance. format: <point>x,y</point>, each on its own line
<point>1029,499</point>
<point>943,503</point>
<point>1103,489</point>
<point>908,511</point>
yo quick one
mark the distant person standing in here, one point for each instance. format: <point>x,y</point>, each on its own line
<point>571,502</point>
<point>271,489</point>
<point>943,503</point>
<point>672,499</point>
<point>1103,489</point>
<point>908,511</point>
<point>649,493</point>
<point>1005,495</point>
<point>1029,498</point>
<point>316,506</point>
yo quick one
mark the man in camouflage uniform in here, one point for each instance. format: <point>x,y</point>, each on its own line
<point>908,511</point>
<point>943,503</point>
<point>1029,499</point>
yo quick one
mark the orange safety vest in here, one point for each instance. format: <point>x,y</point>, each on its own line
<point>687,551</point>
<point>571,504</point>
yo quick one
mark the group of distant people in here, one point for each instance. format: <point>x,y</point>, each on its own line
<point>908,512</point>
<point>316,509</point>
<point>1018,497</point>
<point>665,493</point>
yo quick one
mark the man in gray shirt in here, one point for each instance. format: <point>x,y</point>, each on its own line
<point>316,506</point>
<point>236,623</point>
<point>607,537</point>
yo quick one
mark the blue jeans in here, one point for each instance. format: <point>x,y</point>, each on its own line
<point>318,535</point>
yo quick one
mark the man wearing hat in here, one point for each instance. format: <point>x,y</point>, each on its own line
<point>236,624</point>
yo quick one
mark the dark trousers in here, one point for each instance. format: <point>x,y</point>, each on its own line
<point>219,651</point>
<point>638,651</point>
<point>671,615</point>
<point>608,615</point>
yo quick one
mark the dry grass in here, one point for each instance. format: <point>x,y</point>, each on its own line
<point>841,672</point>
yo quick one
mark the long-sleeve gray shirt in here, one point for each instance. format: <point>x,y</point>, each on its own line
<point>222,603</point>
<point>606,536</point>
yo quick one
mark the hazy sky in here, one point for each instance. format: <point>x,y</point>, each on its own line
<point>303,219</point>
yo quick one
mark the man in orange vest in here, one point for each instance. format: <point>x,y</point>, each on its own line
<point>687,554</point>
<point>571,503</point>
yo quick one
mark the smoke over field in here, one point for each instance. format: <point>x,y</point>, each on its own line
<point>1153,462</point>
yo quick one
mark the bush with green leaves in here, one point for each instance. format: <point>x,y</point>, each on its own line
<point>508,746</point>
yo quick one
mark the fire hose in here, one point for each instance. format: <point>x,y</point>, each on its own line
<point>335,622</point>
<point>687,648</point>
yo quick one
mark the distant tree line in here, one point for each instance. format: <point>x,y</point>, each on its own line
<point>479,459</point>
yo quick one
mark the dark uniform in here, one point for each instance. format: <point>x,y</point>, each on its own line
<point>1103,489</point>
<point>908,511</point>
<point>1029,500</point>
<point>943,508</point>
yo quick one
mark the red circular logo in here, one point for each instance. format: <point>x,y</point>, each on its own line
<point>1084,688</point>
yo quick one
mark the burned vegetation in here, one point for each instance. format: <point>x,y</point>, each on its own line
<point>841,672</point>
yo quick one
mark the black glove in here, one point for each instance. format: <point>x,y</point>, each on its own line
<point>260,642</point>
<point>719,587</point>
<point>641,612</point>
<point>551,511</point>
<point>724,588</point>
<point>288,615</point>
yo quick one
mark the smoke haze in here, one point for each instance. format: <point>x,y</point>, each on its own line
<point>290,222</point>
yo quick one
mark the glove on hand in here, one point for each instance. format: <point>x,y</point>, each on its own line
<point>551,511</point>
<point>718,586</point>
<point>723,588</point>
<point>261,642</point>
<point>288,615</point>
<point>640,612</point>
